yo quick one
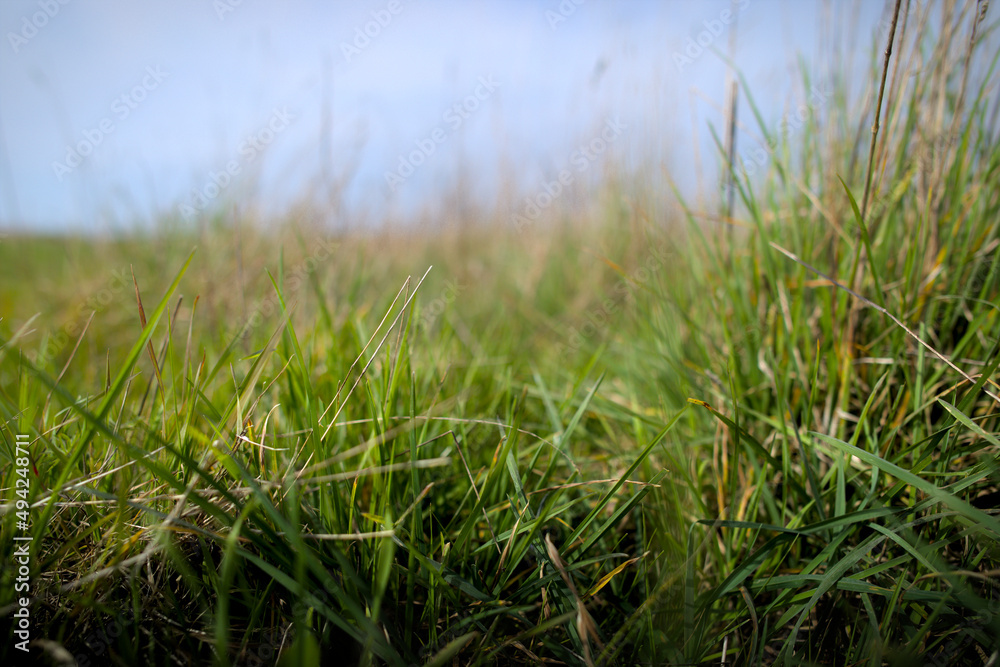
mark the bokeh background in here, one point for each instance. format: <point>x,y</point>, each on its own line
<point>163,95</point>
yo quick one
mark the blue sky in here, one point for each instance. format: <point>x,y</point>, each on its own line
<point>265,102</point>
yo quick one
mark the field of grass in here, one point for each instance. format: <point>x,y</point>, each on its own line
<point>767,436</point>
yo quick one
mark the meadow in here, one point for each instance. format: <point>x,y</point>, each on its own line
<point>763,432</point>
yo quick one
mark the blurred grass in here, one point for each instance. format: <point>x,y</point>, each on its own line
<point>621,440</point>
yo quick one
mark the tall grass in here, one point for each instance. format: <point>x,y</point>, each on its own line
<point>627,445</point>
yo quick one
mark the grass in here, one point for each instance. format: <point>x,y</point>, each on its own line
<point>602,443</point>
